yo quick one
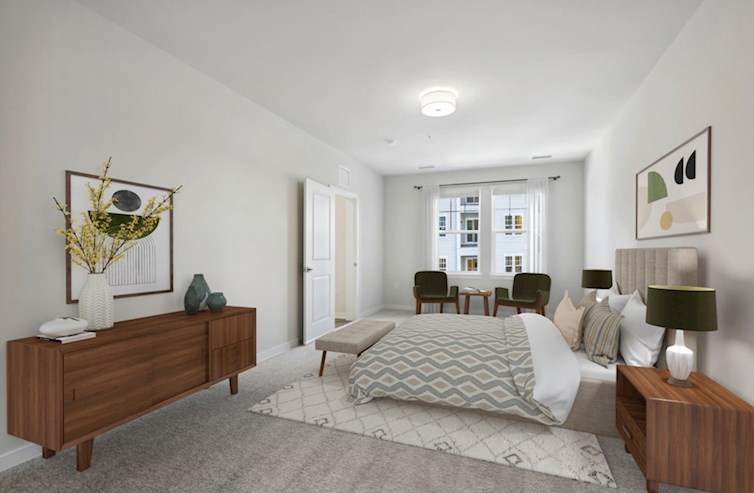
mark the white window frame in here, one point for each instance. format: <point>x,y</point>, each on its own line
<point>487,232</point>
<point>500,271</point>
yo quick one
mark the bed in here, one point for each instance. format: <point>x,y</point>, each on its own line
<point>588,405</point>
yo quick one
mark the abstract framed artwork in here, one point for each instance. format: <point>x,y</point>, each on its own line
<point>147,268</point>
<point>673,193</point>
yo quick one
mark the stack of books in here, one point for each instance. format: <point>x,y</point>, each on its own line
<point>66,339</point>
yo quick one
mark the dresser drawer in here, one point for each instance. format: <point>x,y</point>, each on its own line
<point>231,330</point>
<point>231,359</point>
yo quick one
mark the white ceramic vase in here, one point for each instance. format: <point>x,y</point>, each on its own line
<point>96,302</point>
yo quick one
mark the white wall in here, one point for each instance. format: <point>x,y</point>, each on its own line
<point>705,78</point>
<point>405,224</point>
<point>75,89</point>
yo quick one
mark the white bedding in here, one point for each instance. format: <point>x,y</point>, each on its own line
<point>556,369</point>
<point>591,370</point>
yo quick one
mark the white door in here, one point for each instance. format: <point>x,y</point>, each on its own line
<point>319,262</point>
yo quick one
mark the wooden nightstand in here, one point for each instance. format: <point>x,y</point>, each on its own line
<point>700,437</point>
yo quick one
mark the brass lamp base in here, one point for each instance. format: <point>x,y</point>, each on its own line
<point>679,383</point>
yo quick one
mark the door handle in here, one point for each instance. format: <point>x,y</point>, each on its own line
<point>307,269</point>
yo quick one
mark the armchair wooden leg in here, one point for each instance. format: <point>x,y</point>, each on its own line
<point>518,310</point>
<point>418,306</point>
<point>458,308</point>
<point>441,306</point>
<point>494,310</point>
<point>542,311</point>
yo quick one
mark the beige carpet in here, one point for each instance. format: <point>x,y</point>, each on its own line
<point>323,401</point>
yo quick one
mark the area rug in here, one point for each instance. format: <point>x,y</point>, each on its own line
<point>323,401</point>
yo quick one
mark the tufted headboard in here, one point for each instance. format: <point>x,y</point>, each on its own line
<point>637,268</point>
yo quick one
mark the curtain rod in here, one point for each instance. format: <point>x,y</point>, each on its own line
<point>419,187</point>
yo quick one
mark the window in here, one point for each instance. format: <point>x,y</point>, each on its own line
<point>484,231</point>
<point>513,263</point>
<point>458,232</point>
<point>509,211</point>
<point>514,222</point>
<point>471,263</point>
<point>471,239</point>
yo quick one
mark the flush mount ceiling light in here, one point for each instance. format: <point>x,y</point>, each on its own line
<point>438,101</point>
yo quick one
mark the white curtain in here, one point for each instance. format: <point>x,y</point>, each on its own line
<point>431,215</point>
<point>536,192</point>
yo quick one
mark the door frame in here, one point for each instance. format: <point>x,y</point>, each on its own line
<point>352,309</point>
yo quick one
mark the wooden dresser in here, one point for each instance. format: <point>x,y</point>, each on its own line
<point>699,437</point>
<point>61,395</point>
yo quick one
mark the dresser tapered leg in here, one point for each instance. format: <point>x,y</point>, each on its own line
<point>47,452</point>
<point>84,454</point>
<point>233,384</point>
<point>653,486</point>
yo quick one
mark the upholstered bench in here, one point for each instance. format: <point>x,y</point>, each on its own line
<point>353,338</point>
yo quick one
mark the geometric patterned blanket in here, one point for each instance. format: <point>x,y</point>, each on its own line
<point>471,362</point>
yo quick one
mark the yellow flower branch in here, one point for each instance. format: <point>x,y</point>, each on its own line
<point>93,242</point>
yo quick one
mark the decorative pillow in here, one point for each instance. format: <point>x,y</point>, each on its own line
<point>602,334</point>
<point>616,300</point>
<point>588,302</point>
<point>568,321</point>
<point>640,342</point>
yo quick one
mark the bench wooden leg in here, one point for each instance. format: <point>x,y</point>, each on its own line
<point>322,364</point>
<point>441,306</point>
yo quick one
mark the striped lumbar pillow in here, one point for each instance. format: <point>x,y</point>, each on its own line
<point>602,333</point>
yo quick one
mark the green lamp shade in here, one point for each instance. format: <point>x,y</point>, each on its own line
<point>596,278</point>
<point>682,307</point>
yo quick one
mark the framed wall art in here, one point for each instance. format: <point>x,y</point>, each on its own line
<point>147,268</point>
<point>673,193</point>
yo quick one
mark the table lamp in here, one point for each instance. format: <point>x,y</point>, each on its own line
<point>681,308</point>
<point>596,278</point>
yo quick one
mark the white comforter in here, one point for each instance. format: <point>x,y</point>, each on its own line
<point>556,370</point>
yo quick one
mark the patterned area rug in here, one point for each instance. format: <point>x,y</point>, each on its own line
<point>324,402</point>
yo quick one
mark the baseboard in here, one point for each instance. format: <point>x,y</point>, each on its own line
<point>371,311</point>
<point>410,308</point>
<point>19,456</point>
<point>279,349</point>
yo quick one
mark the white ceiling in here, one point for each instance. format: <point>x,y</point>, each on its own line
<point>534,76</point>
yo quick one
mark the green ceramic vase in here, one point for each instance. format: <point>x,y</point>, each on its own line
<point>216,302</point>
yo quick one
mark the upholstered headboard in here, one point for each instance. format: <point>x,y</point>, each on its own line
<point>637,268</point>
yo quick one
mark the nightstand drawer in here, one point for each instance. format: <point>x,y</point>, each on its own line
<point>634,437</point>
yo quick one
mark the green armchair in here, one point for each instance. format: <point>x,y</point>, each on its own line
<point>529,291</point>
<point>431,286</point>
